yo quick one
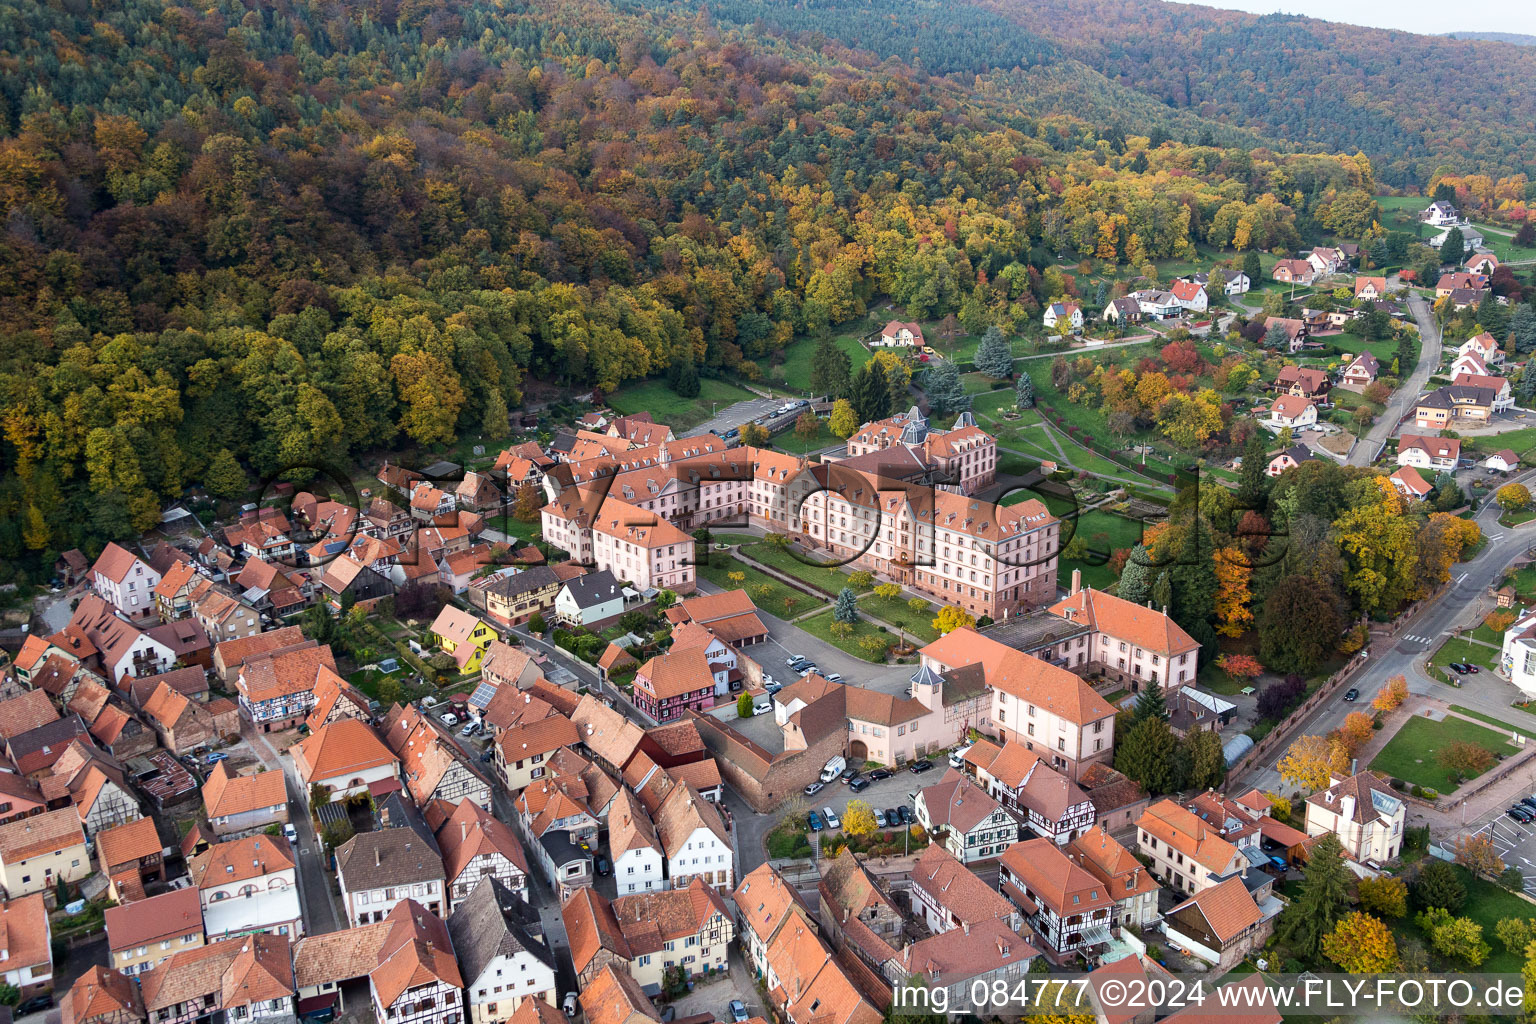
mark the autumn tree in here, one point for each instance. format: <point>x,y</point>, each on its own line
<point>1459,938</point>
<point>1356,730</point>
<point>1466,759</point>
<point>888,591</point>
<point>1310,761</point>
<point>807,426</point>
<point>918,605</point>
<point>1361,944</point>
<point>1239,667</point>
<point>859,818</point>
<point>1383,896</point>
<point>1477,854</point>
<point>526,508</point>
<point>952,617</point>
<point>1513,497</point>
<point>844,422</point>
<point>1232,593</point>
<point>1391,695</point>
<point>754,435</point>
<point>224,478</point>
<point>1515,933</point>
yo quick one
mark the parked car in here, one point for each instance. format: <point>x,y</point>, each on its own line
<point>1352,694</point>
<point>880,819</point>
<point>1472,668</point>
<point>290,833</point>
<point>833,821</point>
<point>835,677</point>
<point>216,757</point>
<point>906,814</point>
<point>795,660</point>
<point>859,784</point>
<point>738,1011</point>
<point>37,1004</point>
<point>569,1004</point>
<point>849,774</point>
<point>814,788</point>
<point>813,821</point>
<point>773,687</point>
<point>449,718</point>
<point>601,866</point>
<point>879,775</point>
<point>918,767</point>
<point>1529,801</point>
<point>1519,813</point>
<point>806,669</point>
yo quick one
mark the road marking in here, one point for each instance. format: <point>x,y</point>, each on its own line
<point>1461,579</point>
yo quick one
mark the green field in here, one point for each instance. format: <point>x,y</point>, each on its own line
<point>655,397</point>
<point>1411,754</point>
<point>829,580</point>
<point>771,601</point>
<point>821,626</point>
<point>1457,649</point>
<point>1525,730</point>
<point>896,613</point>
<point>1104,533</point>
<point>791,442</point>
<point>795,372</point>
<point>1519,441</point>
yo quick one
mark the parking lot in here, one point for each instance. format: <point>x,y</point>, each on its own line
<point>899,790</point>
<point>742,412</point>
<point>1515,843</point>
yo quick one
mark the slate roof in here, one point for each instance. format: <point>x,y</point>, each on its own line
<point>487,925</point>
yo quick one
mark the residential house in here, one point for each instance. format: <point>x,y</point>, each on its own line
<point>1129,883</point>
<point>1503,398</point>
<point>1439,214</point>
<point>1191,295</point>
<point>1124,310</point>
<point>27,711</point>
<point>1469,362</point>
<point>345,757</point>
<point>614,997</point>
<point>110,721</point>
<point>1191,709</point>
<point>642,548</point>
<point>125,581</point>
<point>477,493</point>
<point>1366,815</point>
<point>973,826</point>
<point>593,932</point>
<point>647,934</point>
<point>34,752</point>
<point>730,615</point>
<point>1288,458</point>
<point>20,797</point>
<point>1295,330</point>
<point>244,803</point>
<point>634,849</point>
<point>953,965</point>
<point>182,724</point>
<point>1370,289</point>
<point>1362,369</point>
<point>857,915</point>
<point>1436,453</point>
<point>123,650</point>
<point>249,979</point>
<point>345,577</point>
<point>1129,643</point>
<point>503,965</point>
<point>1482,264</point>
<point>431,764</point>
<point>1158,305</point>
<point>594,600</point>
<point>1460,298</point>
<point>248,885</point>
<point>1067,908</point>
<point>667,686</point>
<point>1459,281</point>
<point>277,688</point>
<point>223,616</point>
<point>505,665</point>
<point>764,903</point>
<point>475,846</point>
<point>26,942</point>
<point>1303,383</point>
<point>561,830</point>
<point>144,934</point>
<point>230,655</point>
<point>1325,260</point>
<point>1289,411</point>
<point>261,537</point>
<point>807,984</point>
<point>1410,484</point>
<point>1022,782</point>
<point>948,896</point>
<point>101,793</point>
<point>521,751</point>
<point>37,851</point>
<point>1502,461</point>
<point>102,996</point>
<point>130,855</point>
<point>379,870</point>
<point>694,840</point>
<point>904,334</point>
<point>462,635</point>
<point>512,596</point>
<point>417,978</point>
<point>335,698</point>
<point>1187,853</point>
<point>191,681</point>
<point>1293,272</point>
<point>1224,923</point>
<point>1071,312</point>
<point>1485,346</point>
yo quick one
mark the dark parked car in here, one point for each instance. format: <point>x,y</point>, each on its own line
<point>849,774</point>
<point>1529,801</point>
<point>918,767</point>
<point>1472,668</point>
<point>1352,694</point>
<point>813,821</point>
<point>879,774</point>
<point>36,1004</point>
<point>1519,813</point>
<point>1460,669</point>
<point>858,785</point>
<point>906,814</point>
<point>601,865</point>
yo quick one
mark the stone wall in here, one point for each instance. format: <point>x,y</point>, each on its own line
<point>761,779</point>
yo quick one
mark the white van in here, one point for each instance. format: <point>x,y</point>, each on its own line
<point>833,768</point>
<point>957,756</point>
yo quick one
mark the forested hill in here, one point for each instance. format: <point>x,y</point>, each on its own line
<point>1516,38</point>
<point>1413,103</point>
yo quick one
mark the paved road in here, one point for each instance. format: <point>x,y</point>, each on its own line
<point>1423,633</point>
<point>312,865</point>
<point>1370,445</point>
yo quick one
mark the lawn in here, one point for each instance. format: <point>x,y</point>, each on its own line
<point>1525,731</point>
<point>511,525</point>
<point>655,397</point>
<point>1524,582</point>
<point>1520,441</point>
<point>992,405</point>
<point>1457,649</point>
<point>790,441</point>
<point>981,384</point>
<point>795,372</point>
<point>1509,519</point>
<point>896,613</point>
<point>1104,533</point>
<point>1411,754</point>
<point>828,579</point>
<point>719,571</point>
<point>821,626</point>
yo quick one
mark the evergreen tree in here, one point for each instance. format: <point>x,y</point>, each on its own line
<point>1525,388</point>
<point>1522,324</point>
<point>847,607</point>
<point>687,384</point>
<point>1025,391</point>
<point>1253,267</point>
<point>831,369</point>
<point>945,390</point>
<point>1252,484</point>
<point>1162,590</point>
<point>1323,899</point>
<point>1148,755</point>
<point>1453,248</point>
<point>1493,318</point>
<point>1136,577</point>
<point>872,393</point>
<point>1438,886</point>
<point>1150,703</point>
<point>994,356</point>
<point>1207,763</point>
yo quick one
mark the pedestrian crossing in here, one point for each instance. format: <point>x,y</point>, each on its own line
<point>1416,639</point>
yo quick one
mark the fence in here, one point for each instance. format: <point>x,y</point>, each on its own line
<point>1281,735</point>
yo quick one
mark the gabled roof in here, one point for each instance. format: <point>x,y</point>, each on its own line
<point>614,997</point>
<point>957,887</point>
<point>237,860</point>
<point>676,673</point>
<point>608,734</point>
<point>171,914</point>
<point>417,950</point>
<point>115,562</point>
<point>955,801</point>
<point>683,813</point>
<point>472,831</point>
<point>629,826</point>
<point>390,856</point>
<point>1408,479</point>
<point>487,925</point>
<point>1125,620</point>
<point>590,928</point>
<point>1434,447</point>
<point>1228,908</point>
<point>261,971</point>
<point>1054,879</point>
<point>1183,830</point>
<point>40,833</point>
<point>26,712</point>
<point>651,919</point>
<point>101,994</point>
<point>226,793</point>
<point>344,746</point>
<point>24,934</point>
<point>124,844</point>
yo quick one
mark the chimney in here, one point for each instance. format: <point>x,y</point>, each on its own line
<point>1165,609</point>
<point>966,926</point>
<point>463,830</point>
<point>378,859</point>
<point>1077,582</point>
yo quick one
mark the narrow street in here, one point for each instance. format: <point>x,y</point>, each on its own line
<point>1368,447</point>
<point>312,864</point>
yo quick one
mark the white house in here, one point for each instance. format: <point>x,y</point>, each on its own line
<point>346,757</point>
<point>248,885</point>
<point>1364,813</point>
<point>722,659</point>
<point>1482,263</point>
<point>1471,238</point>
<point>417,980</point>
<point>502,963</point>
<point>590,599</point>
<point>1468,362</point>
<point>1503,396</point>
<point>28,959</point>
<point>1518,658</point>
<point>1293,412</point>
<point>125,581</point>
<point>1437,453</point>
<point>1410,484</point>
<point>1440,214</point>
<point>1362,369</point>
<point>1158,305</point>
<point>1503,461</point>
<point>975,826</point>
<point>1237,282</point>
<point>633,846</point>
<point>377,870</point>
<point>1190,295</point>
<point>897,333</point>
<point>1485,346</point>
<point>694,840</point>
<point>1326,260</point>
<point>1071,311</point>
